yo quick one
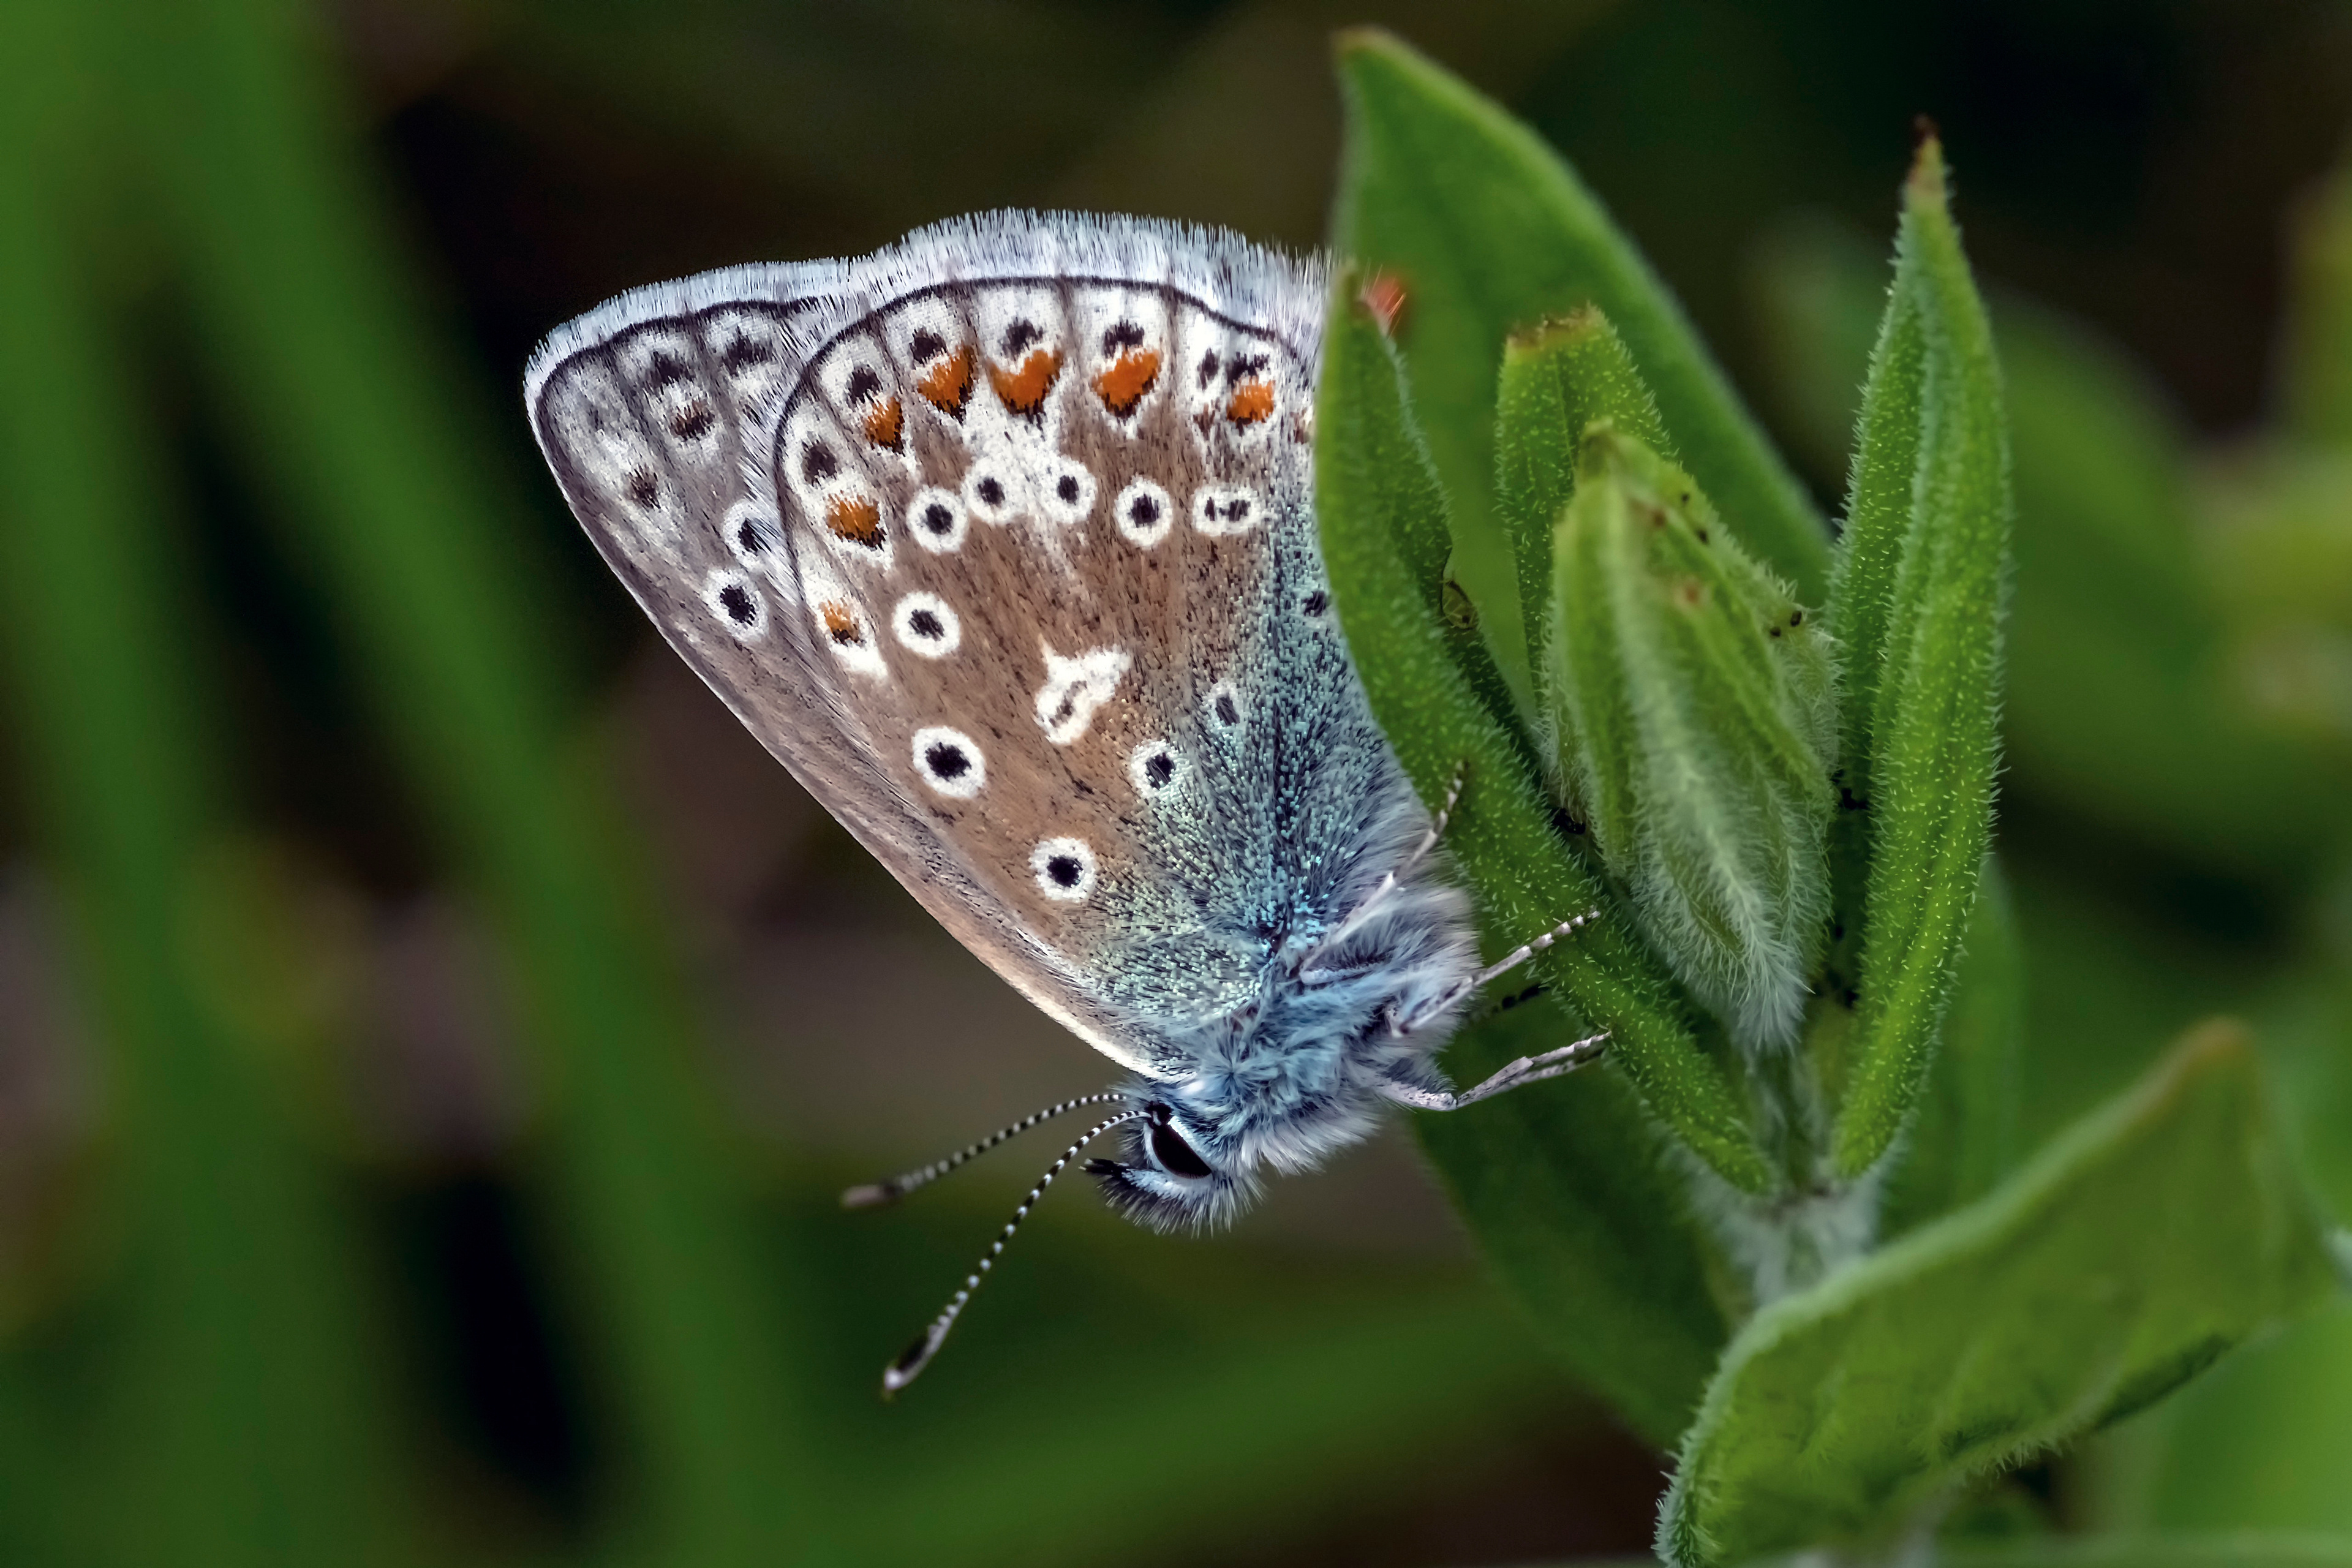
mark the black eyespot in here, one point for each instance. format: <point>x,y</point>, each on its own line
<point>1228,711</point>
<point>863,383</point>
<point>928,344</point>
<point>1244,367</point>
<point>818,463</point>
<point>1159,767</point>
<point>992,491</point>
<point>747,534</point>
<point>1143,511</point>
<point>1065,871</point>
<point>1020,335</point>
<point>643,488</point>
<point>666,370</point>
<point>1175,1156</point>
<point>1067,488</point>
<point>947,759</point>
<point>1122,335</point>
<point>735,600</point>
<point>1208,367</point>
<point>926,626</point>
<point>743,353</point>
<point>1317,603</point>
<point>938,518</point>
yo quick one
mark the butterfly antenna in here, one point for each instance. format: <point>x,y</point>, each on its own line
<point>875,1194</point>
<point>909,1366</point>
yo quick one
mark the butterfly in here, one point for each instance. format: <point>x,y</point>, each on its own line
<point>1002,539</point>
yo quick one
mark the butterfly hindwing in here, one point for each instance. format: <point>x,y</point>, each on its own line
<point>1007,550</point>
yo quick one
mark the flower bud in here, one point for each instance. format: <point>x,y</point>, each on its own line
<point>1693,705</point>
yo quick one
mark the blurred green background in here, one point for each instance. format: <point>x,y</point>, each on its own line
<point>431,1034</point>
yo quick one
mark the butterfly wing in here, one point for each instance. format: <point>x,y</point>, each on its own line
<point>1003,541</point>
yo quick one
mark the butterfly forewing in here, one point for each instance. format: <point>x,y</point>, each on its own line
<point>1013,564</point>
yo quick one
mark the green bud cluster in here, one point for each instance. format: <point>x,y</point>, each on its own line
<point>1691,703</point>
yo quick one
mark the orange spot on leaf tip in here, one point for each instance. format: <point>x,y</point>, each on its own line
<point>841,622</point>
<point>1123,383</point>
<point>1383,295</point>
<point>1251,402</point>
<point>1024,389</point>
<point>855,518</point>
<point>886,422</point>
<point>948,383</point>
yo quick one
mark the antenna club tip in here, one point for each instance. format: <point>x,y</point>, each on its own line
<point>871,1196</point>
<point>910,1365</point>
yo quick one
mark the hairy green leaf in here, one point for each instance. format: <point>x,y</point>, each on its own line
<point>1557,378</point>
<point>2155,1234</point>
<point>1920,591</point>
<point>1695,711</point>
<point>1489,231</point>
<point>1380,505</point>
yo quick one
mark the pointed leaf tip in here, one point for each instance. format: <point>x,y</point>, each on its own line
<point>1928,184</point>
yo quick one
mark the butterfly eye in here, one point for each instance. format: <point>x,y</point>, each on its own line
<point>1176,1157</point>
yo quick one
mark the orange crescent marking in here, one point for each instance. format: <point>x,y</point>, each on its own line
<point>946,383</point>
<point>841,622</point>
<point>1251,402</point>
<point>885,423</point>
<point>1123,383</point>
<point>1023,390</point>
<point>855,518</point>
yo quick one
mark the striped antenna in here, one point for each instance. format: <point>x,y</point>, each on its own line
<point>875,1194</point>
<point>909,1366</point>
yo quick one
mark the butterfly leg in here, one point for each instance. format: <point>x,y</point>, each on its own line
<point>1518,1075</point>
<point>1499,968</point>
<point>1388,884</point>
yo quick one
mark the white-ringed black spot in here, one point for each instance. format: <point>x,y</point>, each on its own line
<point>949,762</point>
<point>927,624</point>
<point>694,421</point>
<point>1244,367</point>
<point>643,488</point>
<point>928,344</point>
<point>747,535</point>
<point>1219,509</point>
<point>1121,335</point>
<point>1208,368</point>
<point>817,463</point>
<point>1067,488</point>
<point>991,491</point>
<point>1315,603</point>
<point>863,383</point>
<point>1228,712</point>
<point>666,369</point>
<point>1065,869</point>
<point>937,520</point>
<point>1154,768</point>
<point>1020,335</point>
<point>1143,512</point>
<point>737,604</point>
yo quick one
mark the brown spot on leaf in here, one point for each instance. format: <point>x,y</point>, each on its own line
<point>1126,378</point>
<point>1024,389</point>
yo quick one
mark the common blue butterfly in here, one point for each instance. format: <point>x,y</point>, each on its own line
<point>1002,539</point>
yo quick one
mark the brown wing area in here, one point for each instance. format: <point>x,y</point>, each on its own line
<point>1057,579</point>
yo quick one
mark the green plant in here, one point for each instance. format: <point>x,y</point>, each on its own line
<point>1550,595</point>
